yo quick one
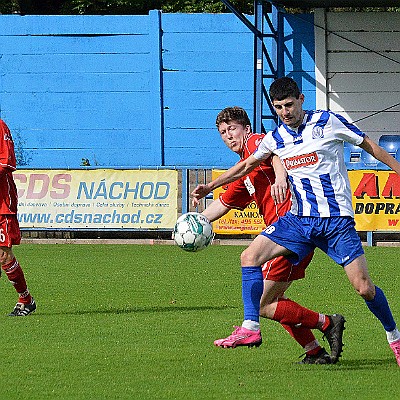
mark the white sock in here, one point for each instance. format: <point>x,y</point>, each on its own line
<point>251,325</point>
<point>393,335</point>
<point>311,346</point>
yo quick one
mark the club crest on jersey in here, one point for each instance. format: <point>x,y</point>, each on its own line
<point>317,132</point>
<point>301,161</point>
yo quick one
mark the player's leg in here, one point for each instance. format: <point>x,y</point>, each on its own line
<point>10,235</point>
<point>298,321</point>
<point>343,245</point>
<point>295,234</point>
<point>375,299</point>
<point>15,275</point>
<point>279,274</point>
<point>259,251</point>
<point>275,291</point>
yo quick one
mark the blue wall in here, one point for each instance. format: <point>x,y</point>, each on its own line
<point>130,91</point>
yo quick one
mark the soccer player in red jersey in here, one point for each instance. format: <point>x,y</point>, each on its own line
<point>235,129</point>
<point>9,227</point>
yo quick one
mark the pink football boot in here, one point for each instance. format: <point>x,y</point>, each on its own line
<point>240,337</point>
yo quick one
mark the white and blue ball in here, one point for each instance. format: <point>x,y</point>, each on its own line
<point>193,232</point>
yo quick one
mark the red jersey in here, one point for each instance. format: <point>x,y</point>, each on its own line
<point>255,186</point>
<point>8,190</point>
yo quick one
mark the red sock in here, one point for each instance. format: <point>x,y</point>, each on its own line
<point>301,335</point>
<point>16,276</point>
<point>290,313</point>
<point>305,338</point>
<point>326,324</point>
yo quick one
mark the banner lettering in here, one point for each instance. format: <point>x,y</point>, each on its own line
<point>97,199</point>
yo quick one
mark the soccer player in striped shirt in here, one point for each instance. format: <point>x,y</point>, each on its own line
<point>310,146</point>
<point>9,228</point>
<point>234,128</point>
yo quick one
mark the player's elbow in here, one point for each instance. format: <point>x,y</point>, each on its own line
<point>249,165</point>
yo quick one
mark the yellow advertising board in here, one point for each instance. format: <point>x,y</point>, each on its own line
<point>375,196</point>
<point>376,200</point>
<point>248,221</point>
<point>97,199</point>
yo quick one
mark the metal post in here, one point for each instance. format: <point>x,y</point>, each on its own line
<point>258,65</point>
<point>370,241</point>
<point>185,191</point>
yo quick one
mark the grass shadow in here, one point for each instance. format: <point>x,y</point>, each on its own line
<point>365,364</point>
<point>134,310</point>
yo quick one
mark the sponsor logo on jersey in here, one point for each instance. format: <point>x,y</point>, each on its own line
<point>249,186</point>
<point>301,161</point>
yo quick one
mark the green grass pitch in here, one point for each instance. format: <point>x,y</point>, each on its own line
<point>138,322</point>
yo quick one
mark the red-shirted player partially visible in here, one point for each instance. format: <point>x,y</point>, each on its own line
<point>9,228</point>
<point>235,129</point>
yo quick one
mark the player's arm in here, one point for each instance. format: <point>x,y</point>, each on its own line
<point>279,188</point>
<point>215,210</point>
<point>240,169</point>
<point>380,154</point>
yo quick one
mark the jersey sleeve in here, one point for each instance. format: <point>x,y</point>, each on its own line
<point>346,130</point>
<point>7,155</point>
<point>264,149</point>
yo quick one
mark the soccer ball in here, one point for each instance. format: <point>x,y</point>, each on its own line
<point>193,232</point>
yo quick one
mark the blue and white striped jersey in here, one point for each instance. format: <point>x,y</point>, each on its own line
<point>313,157</point>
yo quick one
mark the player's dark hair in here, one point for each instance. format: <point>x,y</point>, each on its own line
<point>282,88</point>
<point>229,114</point>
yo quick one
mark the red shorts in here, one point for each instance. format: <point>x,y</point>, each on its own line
<point>9,230</point>
<point>280,269</point>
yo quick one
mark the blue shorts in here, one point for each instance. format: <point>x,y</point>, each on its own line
<point>336,236</point>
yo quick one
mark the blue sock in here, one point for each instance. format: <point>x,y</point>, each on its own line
<point>252,289</point>
<point>380,308</point>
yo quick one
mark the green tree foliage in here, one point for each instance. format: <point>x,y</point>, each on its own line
<point>8,7</point>
<point>204,6</point>
<point>109,7</point>
<point>137,7</point>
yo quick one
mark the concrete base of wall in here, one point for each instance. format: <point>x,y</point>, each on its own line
<point>151,238</point>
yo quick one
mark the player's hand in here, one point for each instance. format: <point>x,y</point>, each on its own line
<point>278,191</point>
<point>198,193</point>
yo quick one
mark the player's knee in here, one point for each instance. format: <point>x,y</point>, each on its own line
<point>3,257</point>
<point>6,255</point>
<point>366,289</point>
<point>248,258</point>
